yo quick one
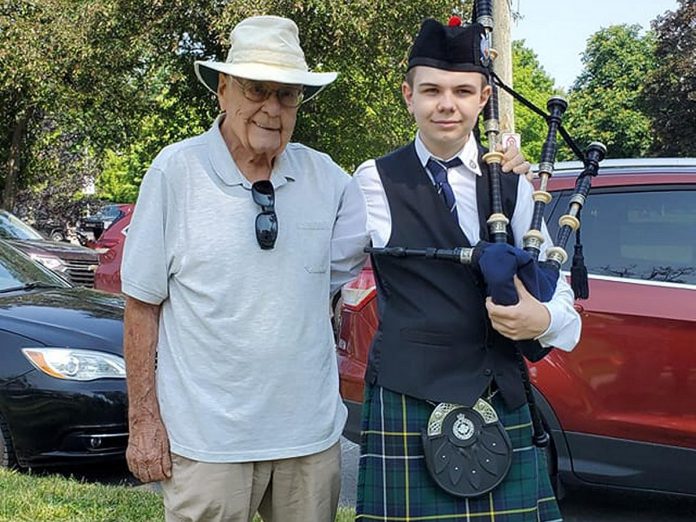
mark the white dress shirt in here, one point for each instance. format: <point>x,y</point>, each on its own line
<point>564,329</point>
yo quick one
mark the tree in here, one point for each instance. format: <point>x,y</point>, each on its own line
<point>669,95</point>
<point>171,120</point>
<point>64,70</point>
<point>532,82</point>
<point>605,99</point>
<point>114,82</point>
<point>361,115</point>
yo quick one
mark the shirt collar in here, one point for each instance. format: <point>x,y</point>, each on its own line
<point>469,154</point>
<point>226,169</point>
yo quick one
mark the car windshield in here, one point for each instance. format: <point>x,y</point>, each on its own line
<point>11,227</point>
<point>18,271</point>
<point>109,212</point>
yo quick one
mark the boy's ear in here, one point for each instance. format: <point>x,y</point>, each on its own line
<point>407,93</point>
<point>485,94</point>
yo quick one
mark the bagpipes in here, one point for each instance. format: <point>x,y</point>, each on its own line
<point>498,261</point>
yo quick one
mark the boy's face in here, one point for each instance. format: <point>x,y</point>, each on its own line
<point>445,105</point>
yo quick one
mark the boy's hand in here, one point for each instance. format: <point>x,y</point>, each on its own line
<point>528,319</point>
<point>513,161</point>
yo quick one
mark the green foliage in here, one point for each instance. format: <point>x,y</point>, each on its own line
<point>669,93</point>
<point>97,88</point>
<point>61,167</point>
<point>532,82</point>
<point>170,120</point>
<point>360,116</point>
<point>65,67</point>
<point>605,99</point>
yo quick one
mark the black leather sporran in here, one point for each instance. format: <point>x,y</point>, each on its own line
<point>467,450</point>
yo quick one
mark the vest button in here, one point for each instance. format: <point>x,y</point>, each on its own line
<point>487,372</point>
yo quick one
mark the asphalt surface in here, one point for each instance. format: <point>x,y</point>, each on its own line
<point>578,505</point>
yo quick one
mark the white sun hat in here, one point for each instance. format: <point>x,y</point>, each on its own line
<point>265,48</point>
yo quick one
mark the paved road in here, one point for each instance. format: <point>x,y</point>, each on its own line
<point>577,506</point>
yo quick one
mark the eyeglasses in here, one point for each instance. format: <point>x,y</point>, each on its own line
<point>256,91</point>
<point>266,221</point>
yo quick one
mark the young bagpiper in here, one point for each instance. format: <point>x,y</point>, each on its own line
<point>446,428</point>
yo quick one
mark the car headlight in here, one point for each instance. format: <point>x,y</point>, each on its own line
<point>52,262</point>
<point>76,365</point>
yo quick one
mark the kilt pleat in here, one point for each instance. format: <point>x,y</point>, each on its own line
<point>394,484</point>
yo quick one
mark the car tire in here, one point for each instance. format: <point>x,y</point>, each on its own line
<point>7,454</point>
<point>336,317</point>
<point>57,235</point>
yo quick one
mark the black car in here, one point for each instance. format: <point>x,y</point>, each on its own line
<point>93,226</point>
<point>62,374</point>
<point>75,262</point>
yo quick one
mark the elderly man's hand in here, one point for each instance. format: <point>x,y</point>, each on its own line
<point>148,450</point>
<point>526,320</point>
<point>513,161</point>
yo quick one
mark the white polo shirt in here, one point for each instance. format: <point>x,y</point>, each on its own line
<point>246,367</point>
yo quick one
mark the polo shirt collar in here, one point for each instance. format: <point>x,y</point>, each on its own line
<point>469,154</point>
<point>226,169</point>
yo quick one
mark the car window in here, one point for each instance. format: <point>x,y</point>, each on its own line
<point>16,269</point>
<point>109,211</point>
<point>11,227</point>
<point>647,234</point>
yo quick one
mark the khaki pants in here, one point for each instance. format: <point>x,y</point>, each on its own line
<point>303,489</point>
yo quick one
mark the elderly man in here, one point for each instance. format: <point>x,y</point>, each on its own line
<point>237,241</point>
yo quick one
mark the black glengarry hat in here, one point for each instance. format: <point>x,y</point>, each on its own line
<point>461,48</point>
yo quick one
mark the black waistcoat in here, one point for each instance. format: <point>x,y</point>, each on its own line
<point>434,339</point>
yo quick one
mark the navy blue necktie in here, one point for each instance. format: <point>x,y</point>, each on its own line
<point>439,171</point>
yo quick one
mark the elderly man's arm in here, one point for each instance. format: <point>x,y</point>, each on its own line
<point>349,238</point>
<point>148,446</point>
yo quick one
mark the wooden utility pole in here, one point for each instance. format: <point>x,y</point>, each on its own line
<point>502,42</point>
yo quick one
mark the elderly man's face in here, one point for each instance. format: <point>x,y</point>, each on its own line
<point>261,127</point>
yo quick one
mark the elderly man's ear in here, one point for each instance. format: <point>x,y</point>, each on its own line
<point>222,87</point>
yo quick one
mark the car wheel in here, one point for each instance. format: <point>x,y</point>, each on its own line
<point>7,454</point>
<point>336,305</point>
<point>57,235</point>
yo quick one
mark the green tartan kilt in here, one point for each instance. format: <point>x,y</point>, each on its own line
<point>394,483</point>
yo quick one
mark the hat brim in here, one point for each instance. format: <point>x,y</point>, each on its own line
<point>313,82</point>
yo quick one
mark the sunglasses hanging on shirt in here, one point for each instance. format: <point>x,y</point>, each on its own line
<point>266,221</point>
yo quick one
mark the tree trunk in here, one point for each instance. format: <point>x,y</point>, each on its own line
<point>502,42</point>
<point>13,165</point>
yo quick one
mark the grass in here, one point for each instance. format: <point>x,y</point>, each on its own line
<point>29,498</point>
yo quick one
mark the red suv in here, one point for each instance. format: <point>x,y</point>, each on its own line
<point>621,408</point>
<point>110,247</point>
